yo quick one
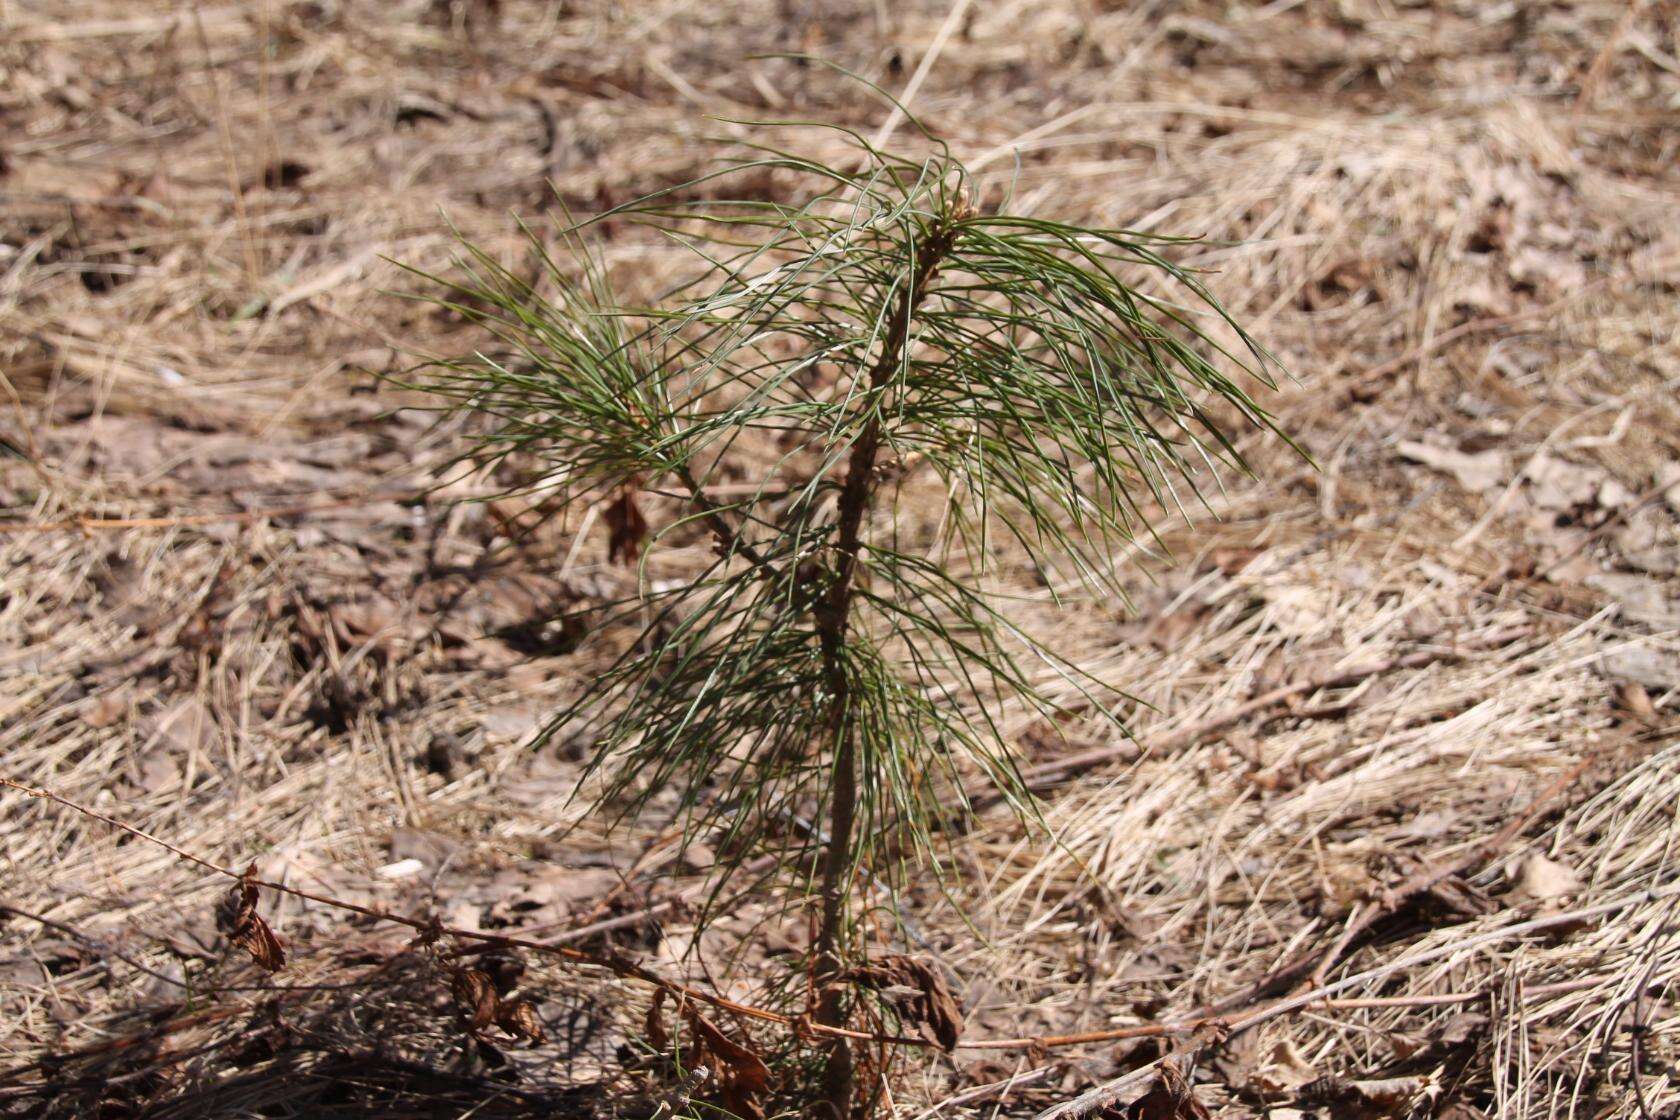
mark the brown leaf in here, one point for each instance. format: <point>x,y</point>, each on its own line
<point>1283,1071</point>
<point>1545,879</point>
<point>741,1074</point>
<point>655,1028</point>
<point>919,994</point>
<point>238,920</point>
<point>1633,698</point>
<point>1171,1097</point>
<point>106,710</point>
<point>1477,472</point>
<point>519,1018</point>
<point>1366,1100</point>
<point>626,527</point>
<point>475,997</point>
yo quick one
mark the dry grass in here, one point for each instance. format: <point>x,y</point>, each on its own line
<point>1454,222</point>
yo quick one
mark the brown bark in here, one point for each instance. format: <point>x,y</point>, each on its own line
<point>832,613</point>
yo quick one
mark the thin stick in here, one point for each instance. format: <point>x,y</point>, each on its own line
<point>1101,1096</point>
<point>613,964</point>
<point>1205,1021</point>
<point>1039,777</point>
<point>88,524</point>
<point>1316,962</point>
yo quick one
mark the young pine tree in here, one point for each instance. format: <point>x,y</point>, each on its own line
<point>829,685</point>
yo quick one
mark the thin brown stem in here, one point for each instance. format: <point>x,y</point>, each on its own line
<point>729,537</point>
<point>833,614</point>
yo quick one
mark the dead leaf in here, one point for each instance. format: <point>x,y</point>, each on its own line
<point>1668,483</point>
<point>1557,484</point>
<point>1642,599</point>
<point>1462,1028</point>
<point>1648,542</point>
<point>741,1075</point>
<point>239,922</point>
<point>917,992</point>
<point>1632,698</point>
<point>655,1024</point>
<point>519,1018</point>
<point>1543,879</point>
<point>1170,1097</point>
<point>1546,271</point>
<point>1642,664</point>
<point>530,894</point>
<point>1367,1100</point>
<point>185,727</point>
<point>1282,1071</point>
<point>1406,1046</point>
<point>1481,471</point>
<point>475,998</point>
<point>106,710</point>
<point>626,527</point>
<point>1298,610</point>
<point>512,721</point>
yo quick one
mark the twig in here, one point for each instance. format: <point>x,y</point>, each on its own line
<point>617,965</point>
<point>989,1090</point>
<point>87,524</point>
<point>1101,1096</point>
<point>1315,963</point>
<point>1037,778</point>
<point>1213,1021</point>
<point>614,964</point>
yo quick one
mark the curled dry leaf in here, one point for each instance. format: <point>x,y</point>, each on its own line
<point>475,997</point>
<point>1169,1096</point>
<point>917,992</point>
<point>519,1018</point>
<point>478,1000</point>
<point>741,1075</point>
<point>239,922</point>
<point>1367,1100</point>
<point>626,527</point>
<point>655,1028</point>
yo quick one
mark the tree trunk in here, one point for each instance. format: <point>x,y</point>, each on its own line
<point>833,613</point>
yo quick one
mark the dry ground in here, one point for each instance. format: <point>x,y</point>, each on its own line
<point>1454,222</point>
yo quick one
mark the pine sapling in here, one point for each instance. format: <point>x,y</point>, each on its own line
<point>826,685</point>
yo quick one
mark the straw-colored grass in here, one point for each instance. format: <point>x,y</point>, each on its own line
<point>1453,223</point>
